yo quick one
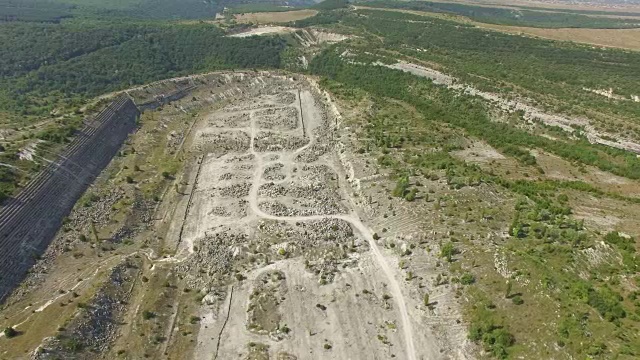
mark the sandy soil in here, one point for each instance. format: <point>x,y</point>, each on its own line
<point>619,38</point>
<point>264,30</point>
<point>274,17</point>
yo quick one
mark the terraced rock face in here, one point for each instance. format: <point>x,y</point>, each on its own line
<point>30,221</point>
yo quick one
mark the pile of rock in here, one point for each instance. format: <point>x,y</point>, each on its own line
<point>278,118</point>
<point>274,172</point>
<point>221,142</point>
<point>235,191</point>
<point>94,327</point>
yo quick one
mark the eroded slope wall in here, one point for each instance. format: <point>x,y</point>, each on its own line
<point>31,220</point>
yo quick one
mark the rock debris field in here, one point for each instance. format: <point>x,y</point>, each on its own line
<point>259,246</point>
<point>269,204</point>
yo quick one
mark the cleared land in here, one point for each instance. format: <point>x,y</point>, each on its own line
<point>619,38</point>
<point>564,5</point>
<point>264,30</point>
<point>252,239</point>
<point>274,17</point>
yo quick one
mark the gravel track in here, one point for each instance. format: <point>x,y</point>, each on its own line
<point>351,218</point>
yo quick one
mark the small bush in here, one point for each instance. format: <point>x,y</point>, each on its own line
<point>10,332</point>
<point>147,315</point>
<point>411,195</point>
<point>401,187</point>
<point>447,251</point>
<point>495,339</point>
<point>517,300</point>
<point>607,302</point>
<point>467,279</point>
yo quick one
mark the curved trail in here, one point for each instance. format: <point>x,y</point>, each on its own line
<point>351,218</point>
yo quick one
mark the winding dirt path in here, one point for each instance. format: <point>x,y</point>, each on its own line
<point>351,218</point>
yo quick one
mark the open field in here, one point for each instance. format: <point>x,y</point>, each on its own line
<point>264,30</point>
<point>531,17</point>
<point>564,5</point>
<point>620,38</point>
<point>274,17</point>
<point>593,7</point>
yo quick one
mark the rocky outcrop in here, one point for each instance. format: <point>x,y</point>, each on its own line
<point>162,99</point>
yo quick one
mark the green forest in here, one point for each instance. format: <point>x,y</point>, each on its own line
<point>72,66</point>
<point>468,113</point>
<point>54,61</point>
<point>553,73</point>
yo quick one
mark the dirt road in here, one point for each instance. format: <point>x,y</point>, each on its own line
<point>351,218</point>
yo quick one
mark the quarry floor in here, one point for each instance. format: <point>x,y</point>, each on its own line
<point>261,245</point>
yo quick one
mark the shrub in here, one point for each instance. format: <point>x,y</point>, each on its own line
<point>401,187</point>
<point>147,315</point>
<point>411,195</point>
<point>495,339</point>
<point>467,279</point>
<point>447,251</point>
<point>607,303</point>
<point>517,300</point>
<point>72,344</point>
<point>10,332</point>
